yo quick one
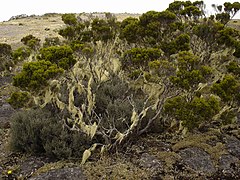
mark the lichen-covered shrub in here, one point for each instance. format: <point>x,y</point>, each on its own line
<point>40,132</point>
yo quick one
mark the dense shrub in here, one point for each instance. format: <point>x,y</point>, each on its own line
<point>193,113</point>
<point>228,89</point>
<point>190,71</point>
<point>130,30</point>
<point>19,99</point>
<point>180,43</point>
<point>140,56</point>
<point>5,56</point>
<point>61,55</point>
<point>40,132</point>
<point>101,30</point>
<point>36,74</point>
<point>31,41</point>
<point>51,41</point>
<point>234,67</point>
<point>5,49</point>
<point>69,19</point>
<point>21,53</point>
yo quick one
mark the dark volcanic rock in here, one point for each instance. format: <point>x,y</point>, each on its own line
<point>6,111</point>
<point>227,163</point>
<point>233,146</point>
<point>62,174</point>
<point>198,160</point>
<point>150,162</point>
<point>30,165</point>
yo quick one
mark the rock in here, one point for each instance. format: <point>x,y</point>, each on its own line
<point>233,146</point>
<point>6,111</point>
<point>30,165</point>
<point>227,163</point>
<point>62,174</point>
<point>198,160</point>
<point>150,162</point>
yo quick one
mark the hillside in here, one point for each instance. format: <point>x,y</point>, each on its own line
<point>121,96</point>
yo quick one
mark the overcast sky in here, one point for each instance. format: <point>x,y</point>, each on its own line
<point>11,8</point>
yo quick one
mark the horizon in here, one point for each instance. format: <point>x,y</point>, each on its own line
<point>71,6</point>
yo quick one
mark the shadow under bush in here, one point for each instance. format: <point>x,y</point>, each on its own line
<point>39,132</point>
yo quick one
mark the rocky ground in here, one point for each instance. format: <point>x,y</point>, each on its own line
<point>213,153</point>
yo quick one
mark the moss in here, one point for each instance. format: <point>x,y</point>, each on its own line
<point>200,141</point>
<point>109,167</point>
<point>52,166</point>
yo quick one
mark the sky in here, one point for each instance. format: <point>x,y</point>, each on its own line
<point>11,8</point>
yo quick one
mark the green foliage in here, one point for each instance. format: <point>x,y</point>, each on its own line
<point>192,113</point>
<point>187,9</point>
<point>61,55</point>
<point>21,53</point>
<point>164,17</point>
<point>82,49</point>
<point>234,67</point>
<point>224,18</point>
<point>69,19</point>
<point>101,30</point>
<point>5,56</point>
<point>237,49</point>
<point>227,36</point>
<point>208,30</point>
<point>228,117</point>
<point>40,132</point>
<point>180,43</point>
<point>130,29</point>
<point>31,41</point>
<point>140,56</point>
<point>19,99</point>
<point>68,32</point>
<point>36,74</point>
<point>228,89</point>
<point>5,49</point>
<point>190,71</point>
<point>51,41</point>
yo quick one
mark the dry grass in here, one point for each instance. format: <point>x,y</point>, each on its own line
<point>11,32</point>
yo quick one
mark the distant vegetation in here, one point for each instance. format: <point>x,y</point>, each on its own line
<point>113,81</point>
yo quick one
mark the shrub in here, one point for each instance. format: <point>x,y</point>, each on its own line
<point>5,49</point>
<point>21,53</point>
<point>5,56</point>
<point>19,99</point>
<point>31,41</point>
<point>190,72</point>
<point>140,56</point>
<point>228,89</point>
<point>36,74</point>
<point>51,41</point>
<point>129,29</point>
<point>60,55</point>
<point>234,67</point>
<point>69,19</point>
<point>101,30</point>
<point>40,132</point>
<point>193,113</point>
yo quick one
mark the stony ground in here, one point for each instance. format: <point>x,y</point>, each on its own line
<point>213,153</point>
